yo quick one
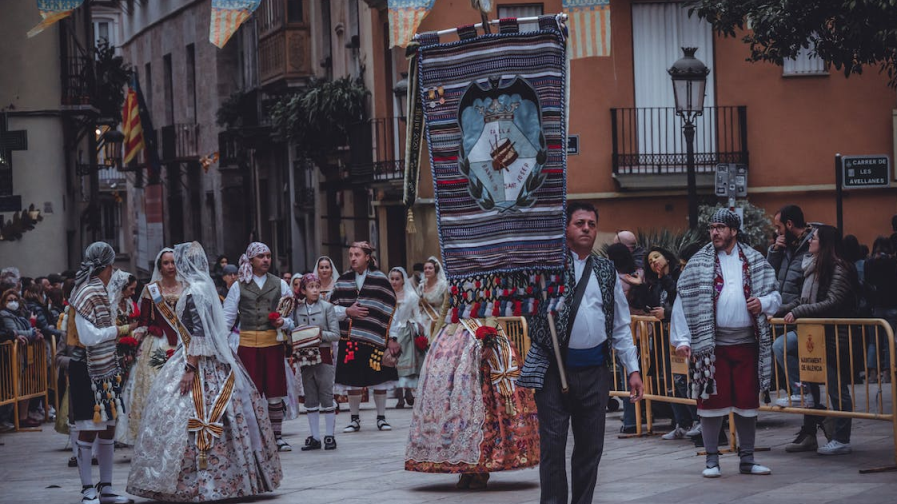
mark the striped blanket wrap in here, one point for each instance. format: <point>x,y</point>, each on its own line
<point>495,121</point>
<point>376,295</point>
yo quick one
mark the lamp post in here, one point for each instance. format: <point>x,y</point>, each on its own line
<point>689,76</point>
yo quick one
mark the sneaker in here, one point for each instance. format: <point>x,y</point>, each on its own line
<point>283,445</point>
<point>627,430</point>
<point>89,495</point>
<point>804,442</point>
<point>329,443</point>
<point>828,428</point>
<point>795,401</point>
<point>311,444</point>
<point>354,425</point>
<point>7,427</point>
<point>382,424</point>
<point>695,430</point>
<point>107,496</point>
<point>712,472</point>
<point>677,433</point>
<point>755,469</point>
<point>835,447</point>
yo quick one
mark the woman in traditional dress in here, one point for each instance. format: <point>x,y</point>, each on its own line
<point>469,416</point>
<point>158,336</point>
<point>405,327</point>
<point>325,269</point>
<point>205,434</point>
<point>121,288</point>
<point>433,293</point>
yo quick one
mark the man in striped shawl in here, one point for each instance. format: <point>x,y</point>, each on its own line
<point>719,321</point>
<point>364,302</point>
<point>94,376</point>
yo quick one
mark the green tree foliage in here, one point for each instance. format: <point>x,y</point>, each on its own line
<point>318,118</point>
<point>849,34</point>
<point>112,75</point>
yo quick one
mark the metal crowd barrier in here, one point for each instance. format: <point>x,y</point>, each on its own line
<point>826,362</point>
<point>23,375</point>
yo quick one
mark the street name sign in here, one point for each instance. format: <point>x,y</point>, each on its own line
<point>866,172</point>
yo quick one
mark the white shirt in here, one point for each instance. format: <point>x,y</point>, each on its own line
<point>232,302</point>
<point>589,329</point>
<point>731,306</point>
<point>360,278</point>
<point>89,334</point>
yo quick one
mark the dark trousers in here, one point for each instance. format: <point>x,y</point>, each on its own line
<point>585,406</point>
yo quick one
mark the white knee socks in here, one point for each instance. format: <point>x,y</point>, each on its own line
<point>84,451</point>
<point>380,402</point>
<point>329,422</point>
<point>354,404</point>
<point>313,419</point>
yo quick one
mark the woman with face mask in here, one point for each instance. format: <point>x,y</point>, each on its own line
<point>18,324</point>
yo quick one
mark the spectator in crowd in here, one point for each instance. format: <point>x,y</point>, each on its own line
<point>630,275</point>
<point>417,275</point>
<point>10,278</point>
<point>36,307</point>
<point>791,246</point>
<point>287,277</point>
<point>880,289</point>
<point>218,271</point>
<point>638,252</point>
<point>55,303</point>
<point>228,277</point>
<point>17,323</point>
<point>55,280</point>
<point>830,290</point>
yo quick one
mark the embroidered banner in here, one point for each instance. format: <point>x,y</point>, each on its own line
<point>589,22</point>
<point>495,123</point>
<point>52,11</point>
<point>404,18</point>
<point>227,16</point>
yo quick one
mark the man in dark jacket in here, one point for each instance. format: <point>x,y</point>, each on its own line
<point>785,255</point>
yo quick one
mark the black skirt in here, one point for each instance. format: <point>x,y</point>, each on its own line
<point>359,364</point>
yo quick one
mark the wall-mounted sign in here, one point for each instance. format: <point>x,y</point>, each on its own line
<point>866,172</point>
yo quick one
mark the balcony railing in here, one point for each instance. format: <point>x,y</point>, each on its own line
<point>77,70</point>
<point>378,146</point>
<point>180,142</point>
<point>649,141</point>
<point>111,178</point>
<point>230,149</point>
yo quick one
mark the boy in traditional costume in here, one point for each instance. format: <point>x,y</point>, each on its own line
<point>255,297</point>
<point>94,376</point>
<point>364,302</point>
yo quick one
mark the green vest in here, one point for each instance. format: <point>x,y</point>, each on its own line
<point>256,304</point>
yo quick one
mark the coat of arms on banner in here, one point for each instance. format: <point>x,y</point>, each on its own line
<point>503,149</point>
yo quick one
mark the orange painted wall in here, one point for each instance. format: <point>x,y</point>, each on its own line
<point>795,126</point>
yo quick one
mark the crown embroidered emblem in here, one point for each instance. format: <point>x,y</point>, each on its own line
<point>810,345</point>
<point>496,111</point>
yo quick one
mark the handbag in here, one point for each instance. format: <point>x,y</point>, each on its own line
<point>308,356</point>
<point>392,353</point>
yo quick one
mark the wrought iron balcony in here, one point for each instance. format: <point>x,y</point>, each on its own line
<point>180,142</point>
<point>230,149</point>
<point>649,150</point>
<point>377,149</point>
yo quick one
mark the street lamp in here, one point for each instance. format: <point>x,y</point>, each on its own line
<point>112,143</point>
<point>689,77</point>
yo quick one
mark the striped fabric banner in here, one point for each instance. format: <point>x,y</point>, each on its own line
<point>227,16</point>
<point>404,18</point>
<point>589,23</point>
<point>131,127</point>
<point>52,11</point>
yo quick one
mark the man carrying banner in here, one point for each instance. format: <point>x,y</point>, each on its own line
<point>719,322</point>
<point>254,297</point>
<point>364,301</point>
<point>596,318</point>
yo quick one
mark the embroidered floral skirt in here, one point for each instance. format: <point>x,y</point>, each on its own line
<point>137,389</point>
<point>165,463</point>
<point>460,422</point>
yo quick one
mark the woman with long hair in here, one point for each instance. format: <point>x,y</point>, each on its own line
<point>206,434</point>
<point>830,290</point>
<point>433,294</point>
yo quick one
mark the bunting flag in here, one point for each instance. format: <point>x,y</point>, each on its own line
<point>227,16</point>
<point>589,22</point>
<point>404,18</point>
<point>131,127</point>
<point>52,11</point>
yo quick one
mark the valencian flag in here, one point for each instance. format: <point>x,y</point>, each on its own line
<point>138,129</point>
<point>589,22</point>
<point>52,11</point>
<point>227,16</point>
<point>404,18</point>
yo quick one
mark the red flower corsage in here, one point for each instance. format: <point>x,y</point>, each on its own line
<point>484,332</point>
<point>129,341</point>
<point>169,353</point>
<point>273,316</point>
<point>421,343</point>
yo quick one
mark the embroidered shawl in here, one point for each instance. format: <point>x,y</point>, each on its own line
<point>698,289</point>
<point>376,295</point>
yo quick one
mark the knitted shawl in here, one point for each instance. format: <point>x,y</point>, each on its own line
<point>376,295</point>
<point>697,288</point>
